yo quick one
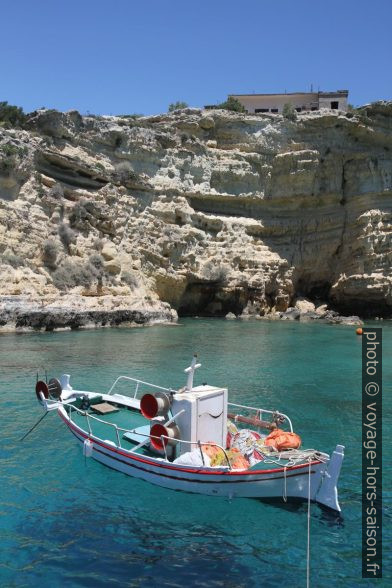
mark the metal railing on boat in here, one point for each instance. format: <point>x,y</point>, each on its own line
<point>88,416</point>
<point>259,411</point>
<point>262,411</point>
<point>138,382</point>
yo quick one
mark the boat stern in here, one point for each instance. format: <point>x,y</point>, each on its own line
<point>327,494</point>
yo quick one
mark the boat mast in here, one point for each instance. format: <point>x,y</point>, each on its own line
<point>190,371</point>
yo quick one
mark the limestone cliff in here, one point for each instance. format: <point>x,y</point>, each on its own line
<point>113,219</point>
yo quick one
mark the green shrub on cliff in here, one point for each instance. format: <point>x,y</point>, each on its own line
<point>67,235</point>
<point>177,106</point>
<point>123,173</point>
<point>9,150</point>
<point>79,215</point>
<point>56,191</point>
<point>9,258</point>
<point>232,104</point>
<point>97,262</point>
<point>10,115</point>
<point>289,112</point>
<point>213,271</point>
<point>74,273</point>
<point>129,279</point>
<point>49,253</point>
<point>10,156</point>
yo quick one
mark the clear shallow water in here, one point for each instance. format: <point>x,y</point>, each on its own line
<point>65,521</point>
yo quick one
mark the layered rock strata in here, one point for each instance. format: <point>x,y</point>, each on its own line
<point>106,220</point>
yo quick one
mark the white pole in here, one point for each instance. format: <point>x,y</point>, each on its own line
<point>190,371</point>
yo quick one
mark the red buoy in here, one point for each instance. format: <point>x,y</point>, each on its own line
<point>359,331</point>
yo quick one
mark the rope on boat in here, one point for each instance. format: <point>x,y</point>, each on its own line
<point>300,456</point>
<point>295,456</point>
<point>308,543</point>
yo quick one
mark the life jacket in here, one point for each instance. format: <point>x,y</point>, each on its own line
<point>282,440</point>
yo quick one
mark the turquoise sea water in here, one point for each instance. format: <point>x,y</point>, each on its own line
<point>68,522</point>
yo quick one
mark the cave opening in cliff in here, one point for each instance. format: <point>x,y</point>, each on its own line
<point>315,290</point>
<point>365,309</point>
<point>210,299</point>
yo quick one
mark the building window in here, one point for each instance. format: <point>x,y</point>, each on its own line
<point>298,109</point>
<point>334,105</point>
<point>261,109</point>
<point>314,108</point>
<point>274,110</point>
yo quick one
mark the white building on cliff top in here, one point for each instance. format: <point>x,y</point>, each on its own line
<point>301,101</point>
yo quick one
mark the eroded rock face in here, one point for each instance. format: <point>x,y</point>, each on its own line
<point>208,212</point>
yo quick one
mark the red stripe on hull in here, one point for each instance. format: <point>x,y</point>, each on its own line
<point>133,457</point>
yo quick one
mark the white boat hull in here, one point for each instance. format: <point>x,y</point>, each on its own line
<point>284,483</point>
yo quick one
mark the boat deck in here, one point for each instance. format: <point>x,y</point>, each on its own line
<point>123,418</point>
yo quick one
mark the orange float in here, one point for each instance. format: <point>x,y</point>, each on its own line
<point>281,440</point>
<point>359,331</point>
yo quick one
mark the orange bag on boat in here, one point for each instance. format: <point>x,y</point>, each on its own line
<point>238,462</point>
<point>211,450</point>
<point>218,457</point>
<point>281,440</point>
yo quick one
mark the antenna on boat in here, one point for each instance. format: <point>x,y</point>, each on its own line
<point>190,371</point>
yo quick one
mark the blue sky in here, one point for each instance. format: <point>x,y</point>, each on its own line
<point>131,56</point>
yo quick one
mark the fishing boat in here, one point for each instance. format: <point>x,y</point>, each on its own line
<point>194,440</point>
